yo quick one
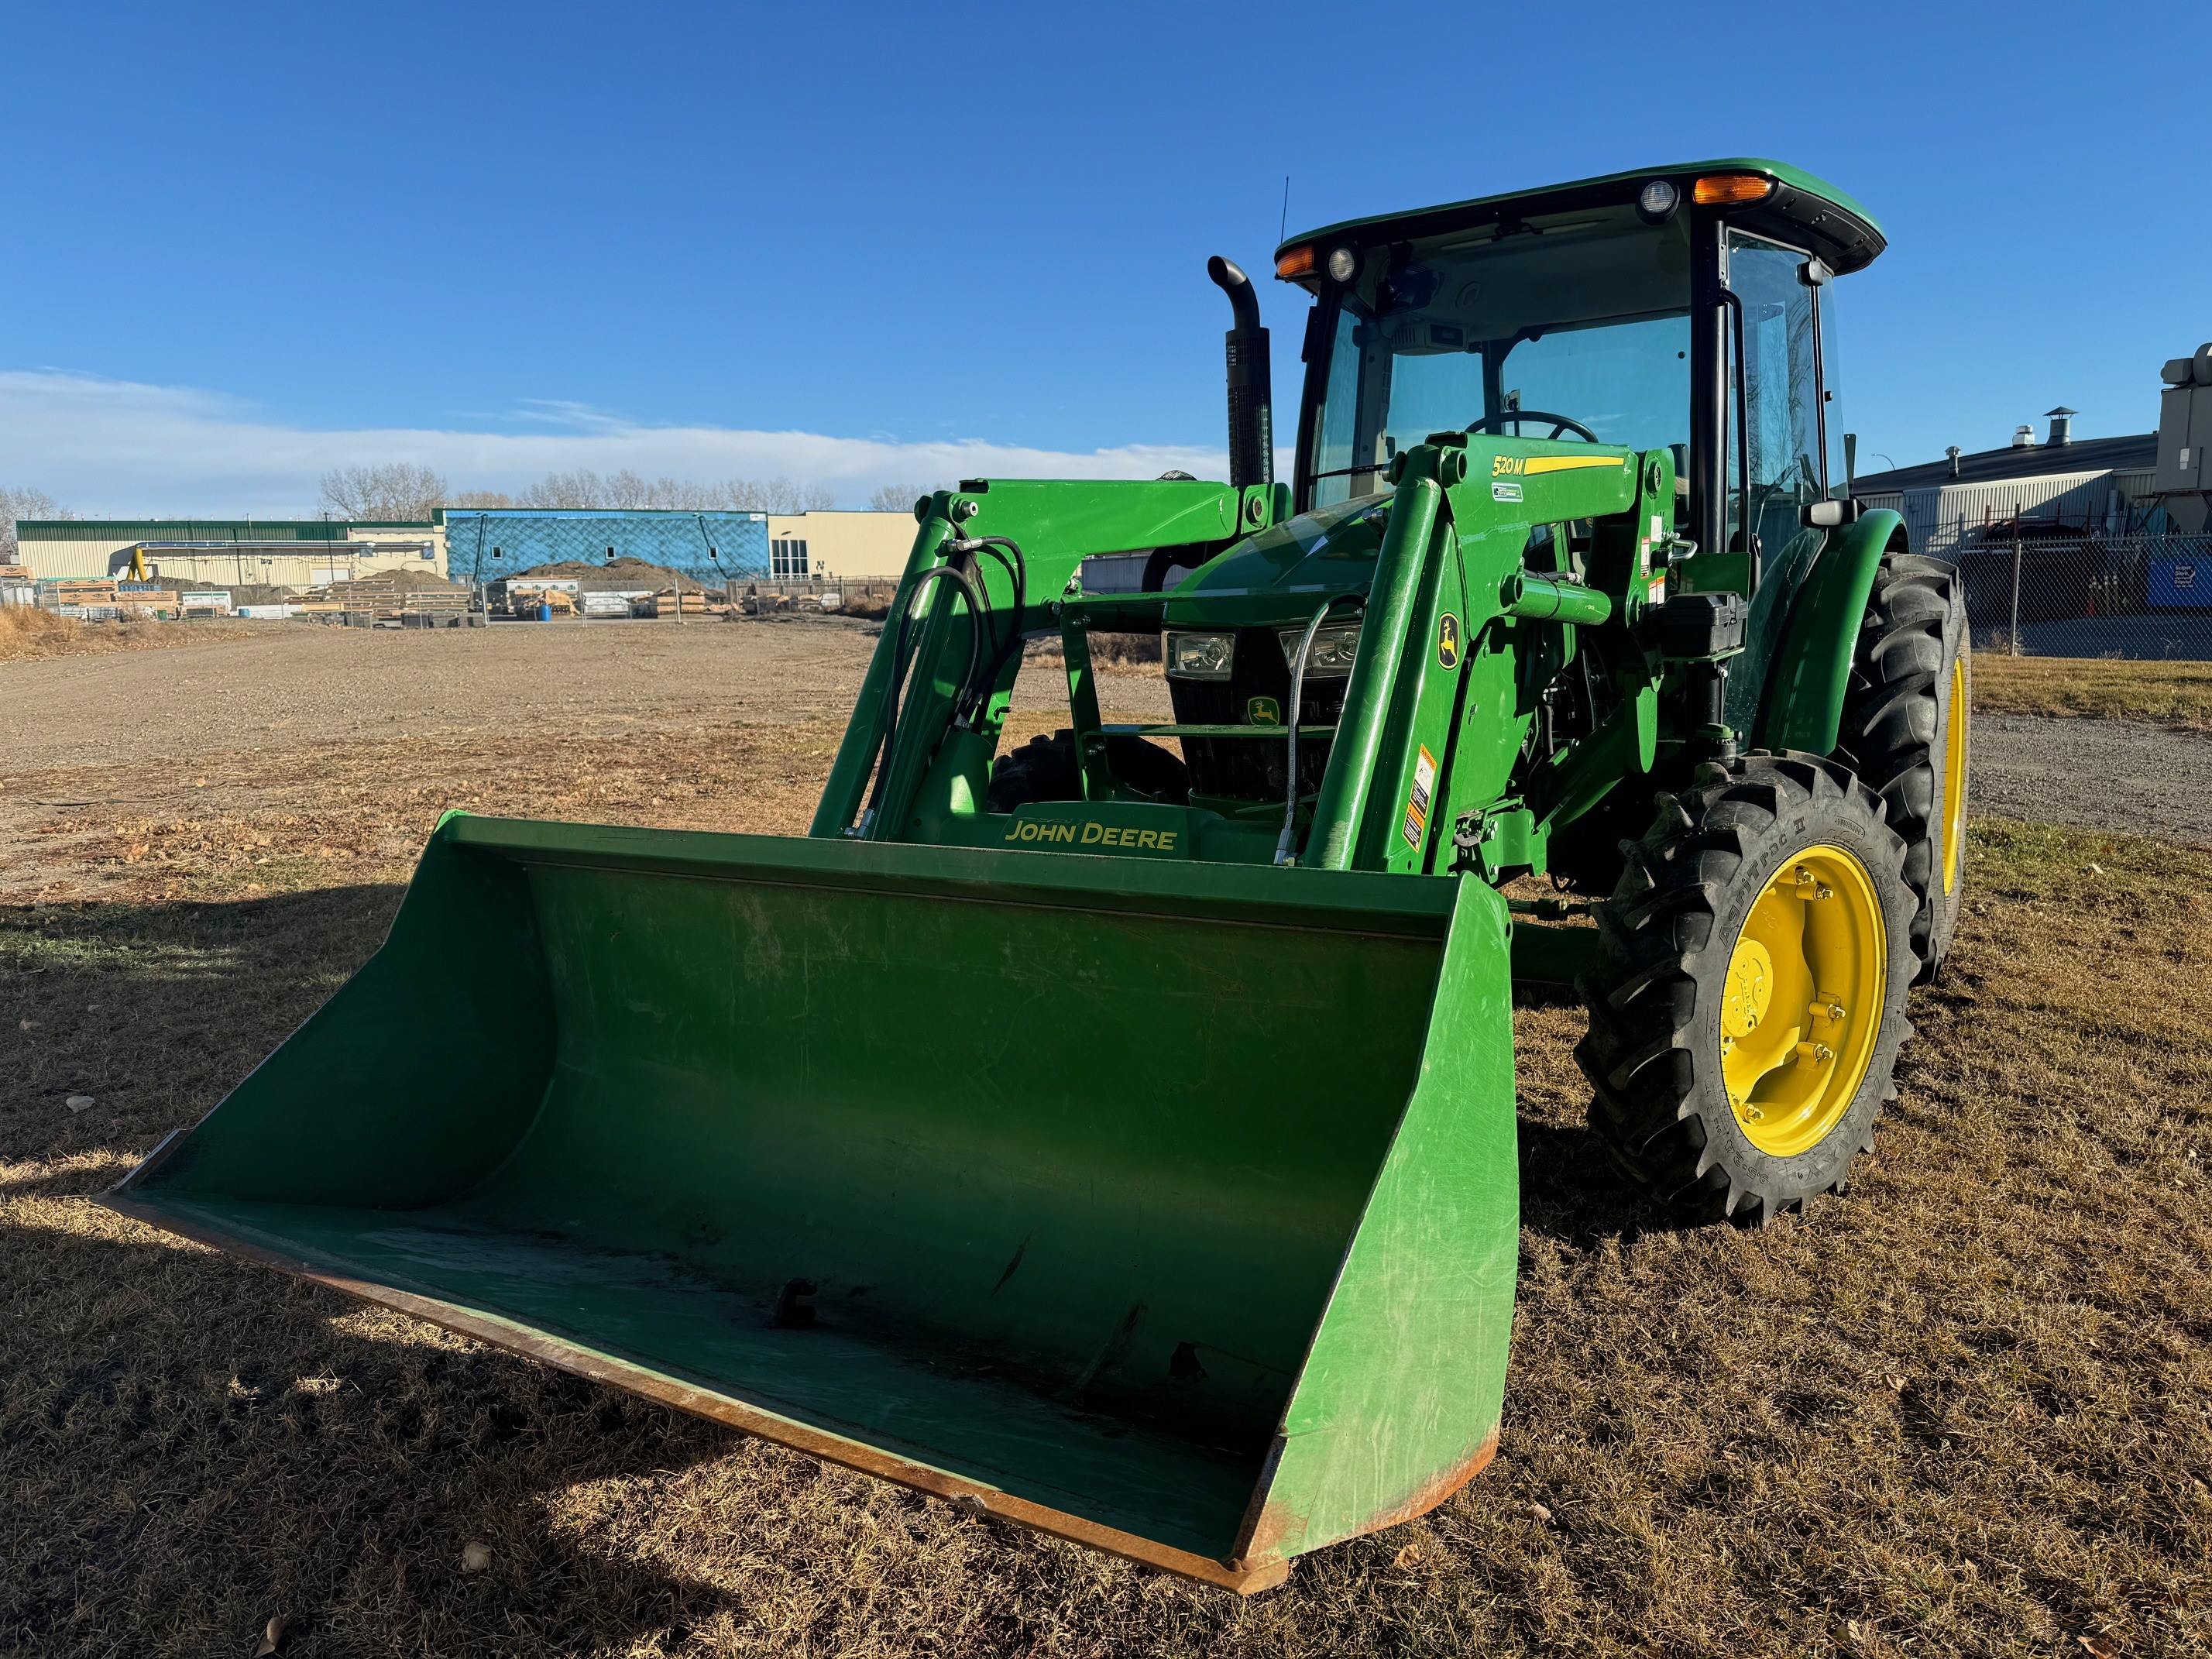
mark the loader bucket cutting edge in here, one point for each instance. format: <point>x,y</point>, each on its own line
<point>1167,1207</point>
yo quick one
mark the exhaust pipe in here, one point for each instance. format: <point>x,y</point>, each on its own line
<point>1251,380</point>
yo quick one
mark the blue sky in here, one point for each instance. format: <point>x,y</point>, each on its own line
<point>868,242</point>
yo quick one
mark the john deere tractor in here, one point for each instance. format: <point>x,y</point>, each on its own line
<point>1116,1132</point>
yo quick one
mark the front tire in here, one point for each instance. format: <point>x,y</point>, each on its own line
<point>1748,1002</point>
<point>1906,715</point>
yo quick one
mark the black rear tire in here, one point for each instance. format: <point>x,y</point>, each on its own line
<point>1912,660</point>
<point>1656,993</point>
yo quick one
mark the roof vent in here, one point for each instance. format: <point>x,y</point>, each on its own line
<point>2062,424</point>
<point>1954,451</point>
<point>2023,437</point>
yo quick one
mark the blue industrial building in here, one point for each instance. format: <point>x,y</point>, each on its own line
<point>485,544</point>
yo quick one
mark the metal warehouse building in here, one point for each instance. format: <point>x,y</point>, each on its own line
<point>2090,487</point>
<point>299,553</point>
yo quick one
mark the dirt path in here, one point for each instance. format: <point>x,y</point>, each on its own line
<point>2095,774</point>
<point>551,719</point>
<point>1843,1433</point>
<point>298,686</point>
<point>222,770</point>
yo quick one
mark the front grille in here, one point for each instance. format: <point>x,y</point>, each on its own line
<point>1251,768</point>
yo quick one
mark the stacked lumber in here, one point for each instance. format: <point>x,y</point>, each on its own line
<point>79,590</point>
<point>695,603</point>
<point>146,599</point>
<point>393,596</point>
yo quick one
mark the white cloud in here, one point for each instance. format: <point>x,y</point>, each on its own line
<point>113,448</point>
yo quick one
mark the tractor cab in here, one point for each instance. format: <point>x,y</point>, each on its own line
<point>1685,309</point>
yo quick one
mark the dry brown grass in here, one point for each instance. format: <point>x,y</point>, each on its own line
<point>1135,653</point>
<point>1967,1409</point>
<point>26,632</point>
<point>2161,693</point>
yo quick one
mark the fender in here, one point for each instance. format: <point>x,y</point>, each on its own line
<point>1812,669</point>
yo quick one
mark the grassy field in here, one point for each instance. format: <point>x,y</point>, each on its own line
<point>2176,694</point>
<point>1967,1409</point>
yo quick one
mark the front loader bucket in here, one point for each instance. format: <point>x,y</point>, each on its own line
<point>1167,1206</point>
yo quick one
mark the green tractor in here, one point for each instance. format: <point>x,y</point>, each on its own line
<point>1117,1134</point>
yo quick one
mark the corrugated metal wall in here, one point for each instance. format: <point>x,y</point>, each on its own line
<point>1938,518</point>
<point>87,547</point>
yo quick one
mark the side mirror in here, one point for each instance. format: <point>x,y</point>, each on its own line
<point>1828,515</point>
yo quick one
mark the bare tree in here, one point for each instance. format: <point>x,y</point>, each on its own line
<point>777,496</point>
<point>24,504</point>
<point>393,489</point>
<point>557,490</point>
<point>627,491</point>
<point>896,497</point>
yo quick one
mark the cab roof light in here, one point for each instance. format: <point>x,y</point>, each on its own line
<point>1731,189</point>
<point>1293,263</point>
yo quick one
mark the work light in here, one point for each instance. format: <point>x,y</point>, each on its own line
<point>1202,656</point>
<point>1657,201</point>
<point>1343,265</point>
<point>1331,655</point>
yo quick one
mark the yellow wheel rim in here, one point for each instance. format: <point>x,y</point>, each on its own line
<point>1952,848</point>
<point>1803,1000</point>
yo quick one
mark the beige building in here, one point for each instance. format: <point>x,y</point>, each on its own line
<point>850,546</point>
<point>298,553</point>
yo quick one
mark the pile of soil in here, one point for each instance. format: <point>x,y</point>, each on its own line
<point>603,575</point>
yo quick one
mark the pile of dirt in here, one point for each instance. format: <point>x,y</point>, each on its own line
<point>605,575</point>
<point>407,580</point>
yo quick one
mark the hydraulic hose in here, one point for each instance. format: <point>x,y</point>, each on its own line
<point>1284,842</point>
<point>1009,553</point>
<point>952,573</point>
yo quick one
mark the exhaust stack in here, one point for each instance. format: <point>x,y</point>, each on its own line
<point>1251,380</point>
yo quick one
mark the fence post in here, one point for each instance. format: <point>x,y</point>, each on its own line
<point>2013,643</point>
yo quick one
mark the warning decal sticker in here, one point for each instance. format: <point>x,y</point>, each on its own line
<point>1417,805</point>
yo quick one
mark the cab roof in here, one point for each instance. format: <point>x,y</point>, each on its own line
<point>1801,208</point>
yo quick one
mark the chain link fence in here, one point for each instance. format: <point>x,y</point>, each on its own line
<point>2141,597</point>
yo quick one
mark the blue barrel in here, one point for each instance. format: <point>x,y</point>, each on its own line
<point>544,611</point>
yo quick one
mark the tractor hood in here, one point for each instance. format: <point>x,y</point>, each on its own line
<point>1283,575</point>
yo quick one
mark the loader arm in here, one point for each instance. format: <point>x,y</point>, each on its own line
<point>1056,525</point>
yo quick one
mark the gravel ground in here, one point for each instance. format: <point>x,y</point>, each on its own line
<point>1960,1410</point>
<point>2095,774</point>
<point>309,688</point>
<point>301,686</point>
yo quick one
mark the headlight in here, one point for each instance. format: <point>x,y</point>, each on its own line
<point>1330,656</point>
<point>1202,656</point>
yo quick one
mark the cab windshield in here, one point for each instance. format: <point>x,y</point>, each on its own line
<point>1569,325</point>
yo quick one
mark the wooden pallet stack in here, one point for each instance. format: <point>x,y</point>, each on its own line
<point>695,603</point>
<point>392,597</point>
<point>79,590</point>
